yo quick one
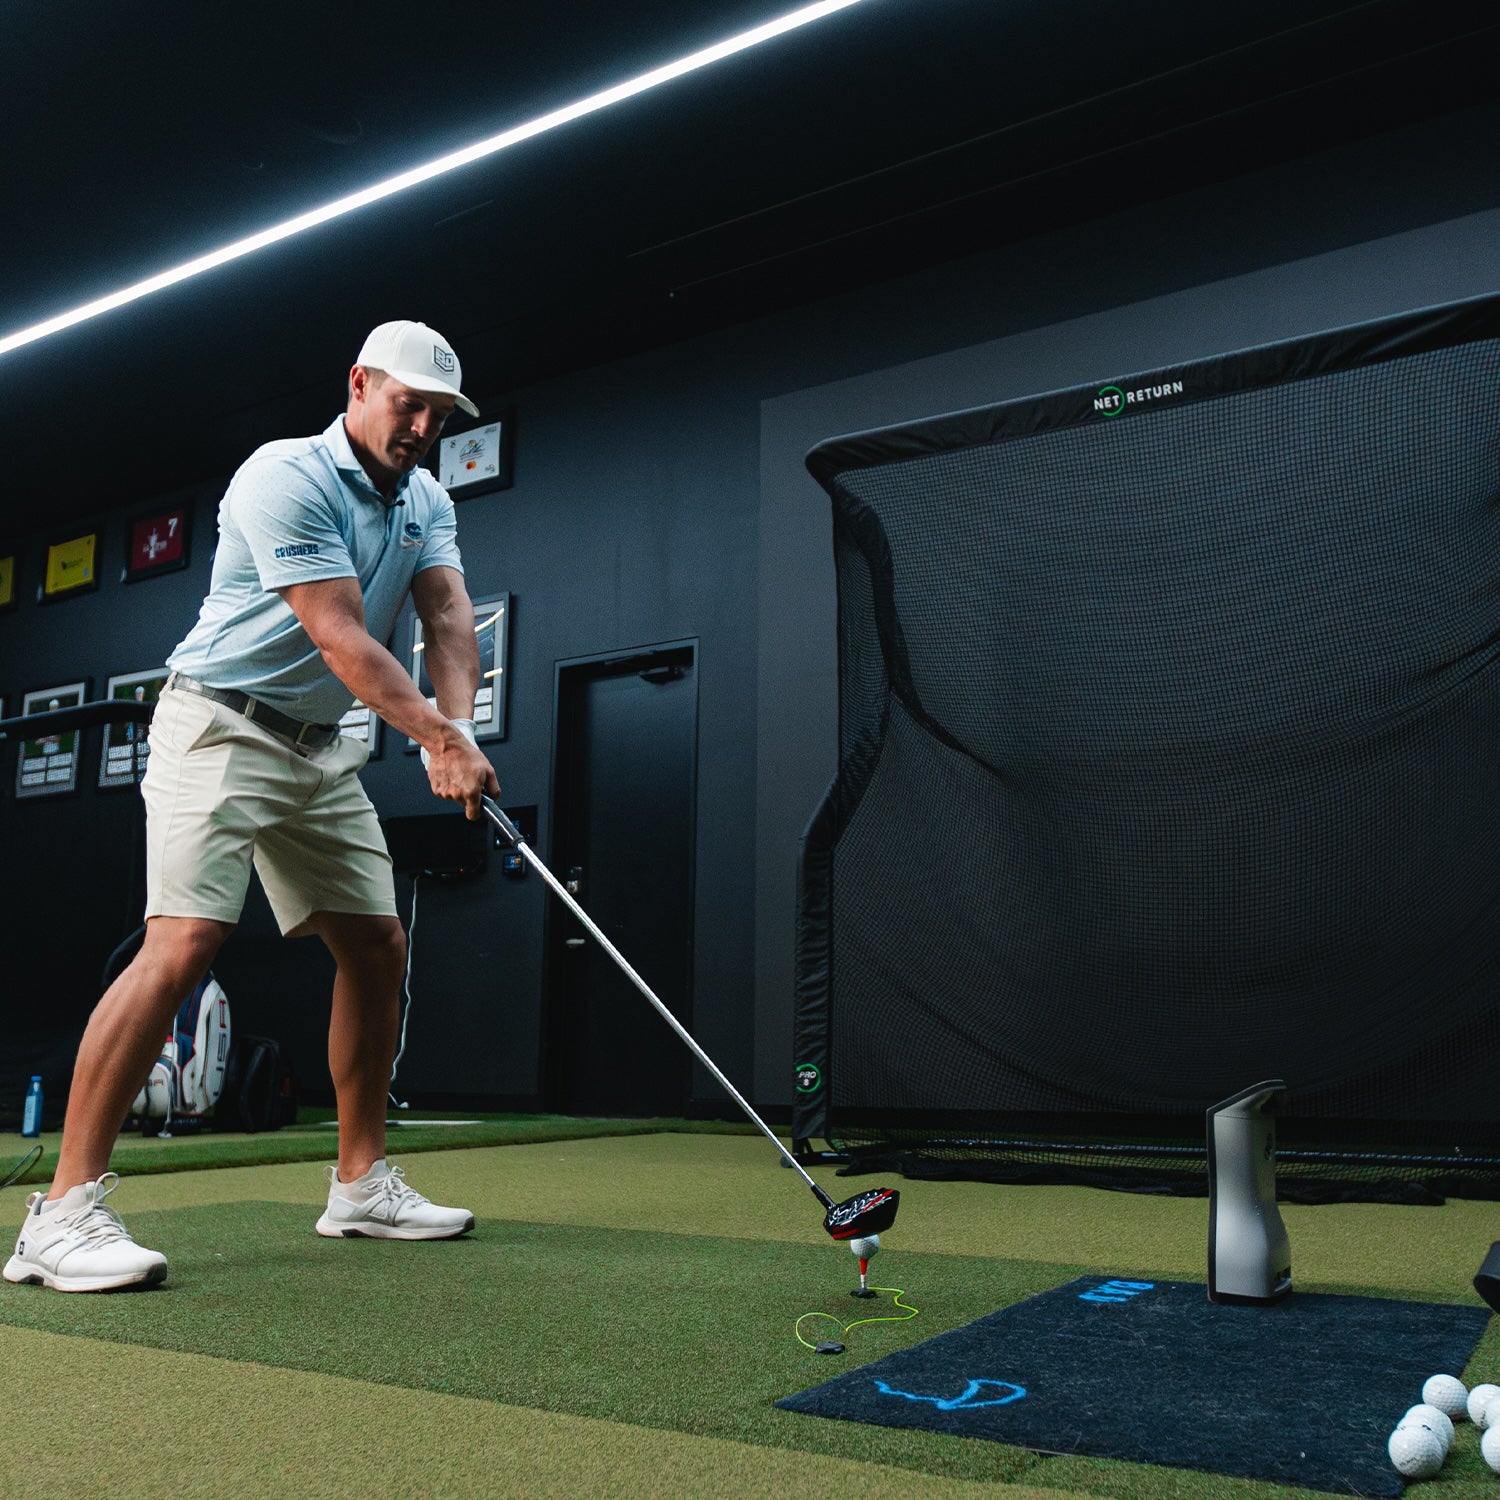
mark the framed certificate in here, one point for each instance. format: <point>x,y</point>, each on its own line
<point>362,724</point>
<point>48,765</point>
<point>156,543</point>
<point>492,627</point>
<point>479,460</point>
<point>123,761</point>
<point>72,567</point>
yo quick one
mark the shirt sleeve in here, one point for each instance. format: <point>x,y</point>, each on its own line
<point>289,524</point>
<point>440,550</point>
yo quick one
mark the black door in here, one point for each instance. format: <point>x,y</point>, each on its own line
<point>623,814</point>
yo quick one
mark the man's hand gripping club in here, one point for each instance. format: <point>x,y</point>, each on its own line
<point>458,771</point>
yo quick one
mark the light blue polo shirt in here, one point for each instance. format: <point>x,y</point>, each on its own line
<point>297,511</point>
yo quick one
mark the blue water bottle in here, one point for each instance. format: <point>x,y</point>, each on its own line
<point>31,1118</point>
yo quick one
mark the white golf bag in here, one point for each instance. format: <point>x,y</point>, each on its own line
<point>186,1080</point>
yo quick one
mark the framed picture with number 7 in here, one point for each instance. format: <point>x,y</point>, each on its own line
<point>156,543</point>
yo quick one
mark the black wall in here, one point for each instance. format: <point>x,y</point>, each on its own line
<point>662,499</point>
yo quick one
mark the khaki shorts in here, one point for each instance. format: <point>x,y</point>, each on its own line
<point>223,794</point>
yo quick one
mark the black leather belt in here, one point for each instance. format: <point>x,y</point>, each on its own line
<point>318,736</point>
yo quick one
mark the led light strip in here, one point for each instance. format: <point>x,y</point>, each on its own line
<point>392,185</point>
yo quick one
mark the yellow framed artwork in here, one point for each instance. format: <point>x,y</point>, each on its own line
<point>72,567</point>
<point>10,562</point>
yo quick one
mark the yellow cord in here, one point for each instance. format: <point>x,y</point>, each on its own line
<point>897,1294</point>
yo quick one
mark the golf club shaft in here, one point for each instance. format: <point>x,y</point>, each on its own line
<point>513,834</point>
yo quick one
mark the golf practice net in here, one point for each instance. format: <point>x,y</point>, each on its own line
<point>1169,761</point>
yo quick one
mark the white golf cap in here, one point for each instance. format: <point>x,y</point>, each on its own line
<point>417,356</point>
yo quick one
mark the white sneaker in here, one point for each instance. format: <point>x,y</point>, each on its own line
<point>383,1206</point>
<point>79,1245</point>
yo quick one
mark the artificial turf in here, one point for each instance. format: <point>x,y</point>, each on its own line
<point>649,1284</point>
<point>256,1430</point>
<point>684,1332</point>
<point>311,1138</point>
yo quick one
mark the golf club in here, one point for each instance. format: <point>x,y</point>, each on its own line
<point>865,1213</point>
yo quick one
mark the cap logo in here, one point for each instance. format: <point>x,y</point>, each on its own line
<point>443,358</point>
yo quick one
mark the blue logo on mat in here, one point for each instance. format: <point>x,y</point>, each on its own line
<point>965,1402</point>
<point>1116,1291</point>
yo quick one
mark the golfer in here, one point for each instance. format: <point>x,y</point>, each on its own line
<point>321,541</point>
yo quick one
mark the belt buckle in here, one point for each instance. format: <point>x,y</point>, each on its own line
<point>257,712</point>
<point>318,736</point>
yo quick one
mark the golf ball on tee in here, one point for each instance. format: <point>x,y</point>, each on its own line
<point>1430,1416</point>
<point>1489,1446</point>
<point>865,1246</point>
<point>1416,1450</point>
<point>1449,1394</point>
<point>1479,1399</point>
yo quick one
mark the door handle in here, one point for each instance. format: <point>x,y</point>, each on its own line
<point>574,943</point>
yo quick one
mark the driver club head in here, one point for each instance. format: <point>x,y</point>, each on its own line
<point>869,1212</point>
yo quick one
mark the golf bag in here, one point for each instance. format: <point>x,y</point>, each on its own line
<point>260,1088</point>
<point>188,1077</point>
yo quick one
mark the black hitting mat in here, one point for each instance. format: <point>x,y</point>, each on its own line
<point>1304,1392</point>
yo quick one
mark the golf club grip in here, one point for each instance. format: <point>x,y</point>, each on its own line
<point>497,816</point>
<point>510,831</point>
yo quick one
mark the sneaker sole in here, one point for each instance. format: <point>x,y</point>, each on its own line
<point>333,1229</point>
<point>23,1274</point>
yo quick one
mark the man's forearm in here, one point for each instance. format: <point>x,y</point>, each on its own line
<point>450,653</point>
<point>450,649</point>
<point>378,680</point>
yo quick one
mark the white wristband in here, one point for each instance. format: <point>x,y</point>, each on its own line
<point>465,727</point>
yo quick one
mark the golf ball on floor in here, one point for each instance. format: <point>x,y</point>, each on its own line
<point>1416,1450</point>
<point>1449,1394</point>
<point>1430,1416</point>
<point>1479,1398</point>
<point>865,1246</point>
<point>1489,1446</point>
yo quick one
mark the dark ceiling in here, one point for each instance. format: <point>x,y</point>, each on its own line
<point>884,138</point>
